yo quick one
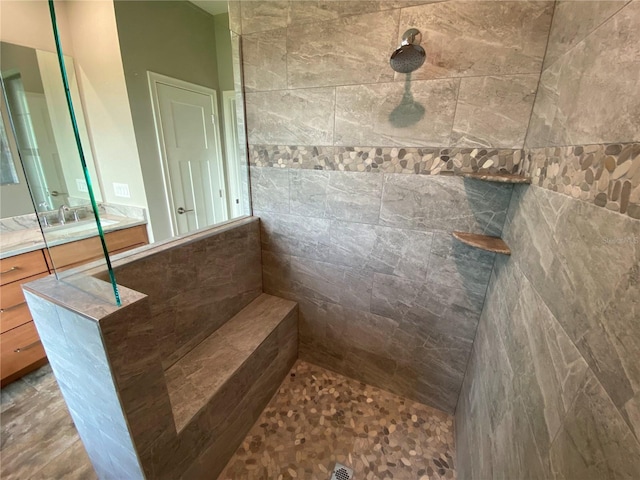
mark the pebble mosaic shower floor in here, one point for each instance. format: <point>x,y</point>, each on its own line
<point>319,417</point>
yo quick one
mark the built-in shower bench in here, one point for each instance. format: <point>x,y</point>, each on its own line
<point>219,371</point>
<point>154,393</point>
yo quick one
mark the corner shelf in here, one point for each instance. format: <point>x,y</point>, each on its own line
<point>498,177</point>
<point>483,242</point>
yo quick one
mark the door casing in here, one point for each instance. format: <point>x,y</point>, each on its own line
<point>154,79</point>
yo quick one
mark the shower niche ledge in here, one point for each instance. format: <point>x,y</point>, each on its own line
<point>483,242</point>
<point>499,177</point>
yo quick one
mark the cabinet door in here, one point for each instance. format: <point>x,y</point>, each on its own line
<point>20,348</point>
<point>13,309</point>
<point>126,239</point>
<point>14,316</point>
<point>73,254</point>
<point>22,266</point>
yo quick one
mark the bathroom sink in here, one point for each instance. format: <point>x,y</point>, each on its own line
<point>78,227</point>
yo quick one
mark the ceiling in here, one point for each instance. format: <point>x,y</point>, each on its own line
<point>213,7</point>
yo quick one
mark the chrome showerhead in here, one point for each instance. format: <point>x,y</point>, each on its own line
<point>409,56</point>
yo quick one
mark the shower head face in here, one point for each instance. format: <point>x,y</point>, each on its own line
<point>407,58</point>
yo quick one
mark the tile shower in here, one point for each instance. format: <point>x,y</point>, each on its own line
<point>534,353</point>
<point>523,366</point>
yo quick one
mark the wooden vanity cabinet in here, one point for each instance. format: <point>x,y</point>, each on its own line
<point>20,347</point>
<point>74,254</point>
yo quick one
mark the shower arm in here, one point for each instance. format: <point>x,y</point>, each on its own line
<point>412,37</point>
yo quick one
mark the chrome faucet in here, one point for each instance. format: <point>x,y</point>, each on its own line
<point>63,208</point>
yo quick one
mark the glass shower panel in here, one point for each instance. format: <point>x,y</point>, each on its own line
<point>44,120</point>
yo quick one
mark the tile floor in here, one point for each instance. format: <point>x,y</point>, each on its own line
<point>319,417</point>
<point>316,418</point>
<point>39,440</point>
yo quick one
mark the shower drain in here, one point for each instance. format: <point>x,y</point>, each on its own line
<point>340,472</point>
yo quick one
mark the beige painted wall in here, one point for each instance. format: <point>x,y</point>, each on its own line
<point>92,28</point>
<point>25,61</point>
<point>88,33</point>
<point>28,23</point>
<point>223,52</point>
<point>188,53</point>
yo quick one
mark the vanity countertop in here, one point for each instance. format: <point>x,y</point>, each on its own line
<point>27,240</point>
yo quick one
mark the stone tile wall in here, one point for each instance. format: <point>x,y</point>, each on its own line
<point>317,73</point>
<point>75,348</point>
<point>386,295</point>
<point>588,91</point>
<point>197,286</point>
<point>369,308</point>
<point>553,387</point>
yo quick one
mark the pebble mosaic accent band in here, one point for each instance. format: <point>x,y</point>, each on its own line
<point>427,161</point>
<point>305,157</point>
<point>607,175</point>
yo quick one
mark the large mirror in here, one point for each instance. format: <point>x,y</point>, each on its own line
<point>36,102</point>
<point>158,94</point>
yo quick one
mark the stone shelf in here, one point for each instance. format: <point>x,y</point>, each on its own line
<point>498,177</point>
<point>483,242</point>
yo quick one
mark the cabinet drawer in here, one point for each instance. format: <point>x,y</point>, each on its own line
<point>22,266</point>
<point>14,316</point>
<point>11,294</point>
<point>75,253</point>
<point>19,347</point>
<point>83,251</point>
<point>127,238</point>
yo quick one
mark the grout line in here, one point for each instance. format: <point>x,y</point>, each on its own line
<point>335,109</point>
<point>547,67</point>
<point>475,333</point>
<point>455,112</point>
<point>589,368</point>
<point>542,69</point>
<point>436,79</point>
<point>440,147</point>
<point>583,380</point>
<point>286,56</point>
<point>383,182</point>
<point>289,173</point>
<point>340,17</point>
<point>588,34</point>
<point>484,302</point>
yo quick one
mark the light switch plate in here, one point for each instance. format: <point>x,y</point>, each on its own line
<point>81,185</point>
<point>121,190</point>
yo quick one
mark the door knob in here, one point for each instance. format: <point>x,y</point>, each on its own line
<point>181,210</point>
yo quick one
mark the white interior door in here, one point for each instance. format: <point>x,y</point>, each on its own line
<point>192,155</point>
